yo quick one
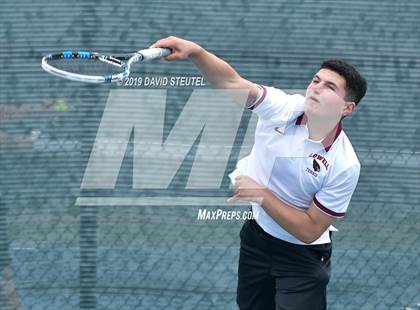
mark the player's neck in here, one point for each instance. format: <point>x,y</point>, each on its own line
<point>318,129</point>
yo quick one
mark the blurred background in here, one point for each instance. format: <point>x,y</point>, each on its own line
<point>56,255</point>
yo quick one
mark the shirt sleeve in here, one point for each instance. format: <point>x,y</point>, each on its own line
<point>276,106</point>
<point>334,197</point>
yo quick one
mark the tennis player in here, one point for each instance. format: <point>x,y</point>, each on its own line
<point>299,177</point>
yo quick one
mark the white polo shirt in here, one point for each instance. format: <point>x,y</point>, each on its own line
<point>296,169</point>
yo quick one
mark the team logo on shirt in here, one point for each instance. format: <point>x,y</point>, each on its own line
<point>316,167</point>
<point>322,159</point>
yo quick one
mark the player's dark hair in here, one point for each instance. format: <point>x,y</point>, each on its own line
<point>356,84</point>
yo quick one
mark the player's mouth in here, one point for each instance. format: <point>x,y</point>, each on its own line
<point>314,99</point>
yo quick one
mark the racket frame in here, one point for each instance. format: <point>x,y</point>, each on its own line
<point>123,60</point>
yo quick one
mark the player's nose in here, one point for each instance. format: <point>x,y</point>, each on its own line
<point>317,89</point>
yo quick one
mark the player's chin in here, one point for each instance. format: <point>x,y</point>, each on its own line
<point>310,107</point>
<point>315,113</point>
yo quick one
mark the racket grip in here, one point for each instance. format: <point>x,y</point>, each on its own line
<point>153,53</point>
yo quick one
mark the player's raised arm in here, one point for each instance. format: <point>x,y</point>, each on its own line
<point>215,70</point>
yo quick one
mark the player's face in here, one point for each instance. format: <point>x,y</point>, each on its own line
<point>325,96</point>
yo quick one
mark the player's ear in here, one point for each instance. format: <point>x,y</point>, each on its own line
<point>349,106</point>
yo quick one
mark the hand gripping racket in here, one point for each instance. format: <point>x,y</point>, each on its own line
<point>94,67</point>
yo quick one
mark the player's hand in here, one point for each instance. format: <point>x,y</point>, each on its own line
<point>181,49</point>
<point>248,190</point>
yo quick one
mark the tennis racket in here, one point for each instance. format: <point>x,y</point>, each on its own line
<point>94,67</point>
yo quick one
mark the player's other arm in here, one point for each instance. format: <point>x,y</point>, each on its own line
<point>215,70</point>
<point>329,203</point>
<point>307,226</point>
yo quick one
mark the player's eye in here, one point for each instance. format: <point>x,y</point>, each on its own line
<point>331,87</point>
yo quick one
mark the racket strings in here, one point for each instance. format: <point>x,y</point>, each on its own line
<point>91,66</point>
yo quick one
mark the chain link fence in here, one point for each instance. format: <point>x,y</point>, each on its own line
<point>58,254</point>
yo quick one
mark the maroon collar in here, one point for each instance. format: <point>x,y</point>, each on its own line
<point>328,141</point>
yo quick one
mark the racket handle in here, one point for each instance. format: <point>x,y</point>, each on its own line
<point>153,53</point>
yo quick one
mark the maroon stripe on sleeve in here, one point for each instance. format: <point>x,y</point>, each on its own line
<point>326,210</point>
<point>254,105</point>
